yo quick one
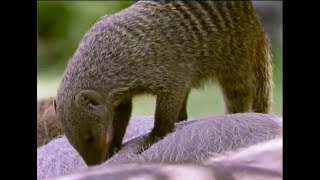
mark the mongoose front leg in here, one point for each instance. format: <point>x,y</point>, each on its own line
<point>119,125</point>
<point>167,111</point>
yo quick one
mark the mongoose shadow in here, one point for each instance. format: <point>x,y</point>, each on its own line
<point>163,48</point>
<point>261,161</point>
<point>187,144</point>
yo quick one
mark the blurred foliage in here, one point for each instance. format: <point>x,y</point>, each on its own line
<point>61,25</point>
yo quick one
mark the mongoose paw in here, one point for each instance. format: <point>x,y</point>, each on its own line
<point>148,142</point>
<point>112,151</point>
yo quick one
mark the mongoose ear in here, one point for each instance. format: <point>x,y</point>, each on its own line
<point>55,105</point>
<point>89,98</point>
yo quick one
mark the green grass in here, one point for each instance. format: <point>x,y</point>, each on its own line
<point>204,102</point>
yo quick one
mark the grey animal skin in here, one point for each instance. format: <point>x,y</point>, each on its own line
<point>262,161</point>
<point>192,142</point>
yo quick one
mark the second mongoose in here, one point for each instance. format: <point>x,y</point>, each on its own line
<point>48,127</point>
<point>164,49</point>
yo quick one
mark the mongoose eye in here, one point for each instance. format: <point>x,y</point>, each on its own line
<point>89,139</point>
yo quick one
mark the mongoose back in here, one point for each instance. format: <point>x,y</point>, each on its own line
<point>164,49</point>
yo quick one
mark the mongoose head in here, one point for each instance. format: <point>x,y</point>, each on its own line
<point>85,122</point>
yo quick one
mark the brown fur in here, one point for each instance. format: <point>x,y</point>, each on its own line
<point>47,125</point>
<point>164,49</point>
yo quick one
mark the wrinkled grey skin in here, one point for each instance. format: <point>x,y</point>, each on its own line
<point>192,141</point>
<point>261,161</point>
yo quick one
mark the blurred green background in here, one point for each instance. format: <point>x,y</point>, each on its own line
<point>61,25</point>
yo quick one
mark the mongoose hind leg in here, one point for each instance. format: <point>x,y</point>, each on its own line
<point>237,93</point>
<point>119,125</point>
<point>262,96</point>
<point>183,115</point>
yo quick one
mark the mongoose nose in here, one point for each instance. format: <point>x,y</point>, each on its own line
<point>95,154</point>
<point>94,159</point>
<point>90,159</point>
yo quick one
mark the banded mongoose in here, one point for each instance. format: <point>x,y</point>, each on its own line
<point>164,49</point>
